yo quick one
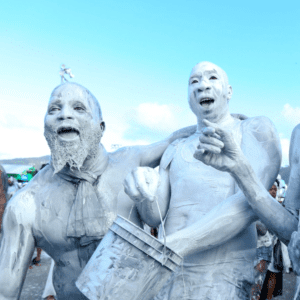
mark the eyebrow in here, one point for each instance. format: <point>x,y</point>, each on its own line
<point>213,71</point>
<point>57,101</point>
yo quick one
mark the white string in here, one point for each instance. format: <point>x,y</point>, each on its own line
<point>184,289</point>
<point>131,211</point>
<point>164,233</point>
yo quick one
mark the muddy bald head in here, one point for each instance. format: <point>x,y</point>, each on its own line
<point>73,125</point>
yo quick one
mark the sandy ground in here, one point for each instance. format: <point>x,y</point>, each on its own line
<point>36,279</point>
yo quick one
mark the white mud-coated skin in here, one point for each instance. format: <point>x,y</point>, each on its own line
<point>37,215</point>
<point>280,220</point>
<point>208,219</point>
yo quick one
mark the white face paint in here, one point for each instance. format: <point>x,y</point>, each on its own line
<point>72,129</point>
<point>208,92</point>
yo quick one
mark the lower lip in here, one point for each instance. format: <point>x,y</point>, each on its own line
<point>207,105</point>
<point>68,136</point>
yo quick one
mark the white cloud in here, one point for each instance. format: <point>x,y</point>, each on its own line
<point>22,142</point>
<point>285,145</point>
<point>291,114</point>
<point>156,116</point>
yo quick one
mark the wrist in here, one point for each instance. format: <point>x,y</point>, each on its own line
<point>241,167</point>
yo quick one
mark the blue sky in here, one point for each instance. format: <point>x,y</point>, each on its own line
<point>136,56</point>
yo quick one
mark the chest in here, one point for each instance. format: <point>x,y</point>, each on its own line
<point>194,182</point>
<point>57,199</point>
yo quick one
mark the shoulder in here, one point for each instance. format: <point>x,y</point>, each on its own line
<point>23,205</point>
<point>262,128</point>
<point>21,209</point>
<point>294,146</point>
<point>170,153</point>
<point>124,152</point>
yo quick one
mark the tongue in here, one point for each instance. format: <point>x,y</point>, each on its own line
<point>207,103</point>
<point>68,135</point>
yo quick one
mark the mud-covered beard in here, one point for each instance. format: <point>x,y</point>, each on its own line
<point>73,153</point>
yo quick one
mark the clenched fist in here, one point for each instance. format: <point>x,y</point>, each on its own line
<point>218,148</point>
<point>142,184</point>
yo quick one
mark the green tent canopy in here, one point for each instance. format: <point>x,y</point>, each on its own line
<point>20,172</point>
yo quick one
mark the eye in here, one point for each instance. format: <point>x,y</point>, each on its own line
<point>78,108</point>
<point>194,81</point>
<point>213,78</point>
<point>52,109</point>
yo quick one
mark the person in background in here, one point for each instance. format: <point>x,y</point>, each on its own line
<point>273,281</point>
<point>3,193</point>
<point>36,261</point>
<point>13,187</point>
<point>263,254</point>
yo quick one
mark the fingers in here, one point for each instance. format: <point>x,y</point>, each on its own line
<point>211,141</point>
<point>130,188</point>
<point>142,182</point>
<point>210,131</point>
<point>218,130</point>
<point>210,148</point>
<point>203,156</point>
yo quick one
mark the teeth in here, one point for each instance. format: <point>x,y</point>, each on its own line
<point>206,100</point>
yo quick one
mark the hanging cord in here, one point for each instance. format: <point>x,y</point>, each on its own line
<point>131,211</point>
<point>165,257</point>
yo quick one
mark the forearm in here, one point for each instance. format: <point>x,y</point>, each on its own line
<point>150,155</point>
<point>221,224</point>
<point>269,211</point>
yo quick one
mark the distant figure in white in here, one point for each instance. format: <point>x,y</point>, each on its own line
<point>207,217</point>
<point>13,186</point>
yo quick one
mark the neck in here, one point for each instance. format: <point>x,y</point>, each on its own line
<point>223,120</point>
<point>90,160</point>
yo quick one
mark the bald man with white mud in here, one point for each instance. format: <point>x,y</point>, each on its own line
<point>67,208</point>
<point>207,217</point>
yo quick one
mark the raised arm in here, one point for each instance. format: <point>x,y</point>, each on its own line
<point>277,219</point>
<point>16,246</point>
<point>150,155</point>
<point>234,214</point>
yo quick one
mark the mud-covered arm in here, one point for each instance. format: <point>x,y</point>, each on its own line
<point>148,210</point>
<point>150,155</point>
<point>277,218</point>
<point>144,186</point>
<point>292,198</point>
<point>261,148</point>
<point>16,246</point>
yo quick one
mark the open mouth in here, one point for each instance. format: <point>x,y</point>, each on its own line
<point>68,132</point>
<point>206,102</point>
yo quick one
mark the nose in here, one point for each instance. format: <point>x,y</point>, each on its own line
<point>65,113</point>
<point>204,85</point>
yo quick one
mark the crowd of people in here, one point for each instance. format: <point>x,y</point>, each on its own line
<point>272,258</point>
<point>8,187</point>
<point>208,220</point>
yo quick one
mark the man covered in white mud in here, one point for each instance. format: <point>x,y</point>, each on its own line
<point>281,220</point>
<point>207,218</point>
<point>68,206</point>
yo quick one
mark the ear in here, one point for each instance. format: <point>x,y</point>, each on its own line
<point>229,94</point>
<point>102,126</point>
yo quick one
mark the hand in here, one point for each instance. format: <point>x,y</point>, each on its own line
<point>142,184</point>
<point>294,252</point>
<point>218,148</point>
